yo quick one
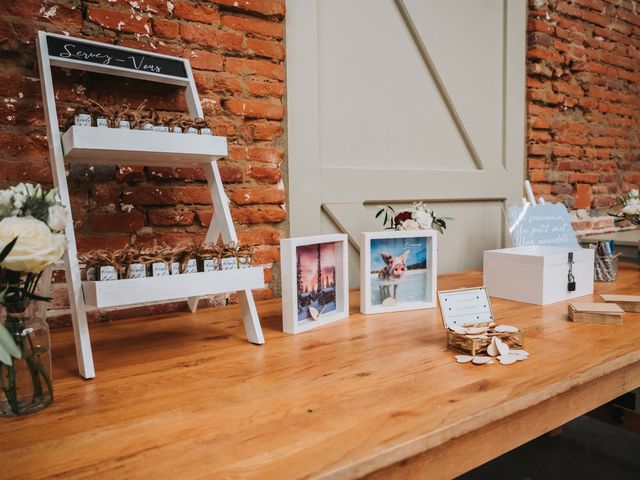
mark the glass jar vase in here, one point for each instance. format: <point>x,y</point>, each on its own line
<point>26,385</point>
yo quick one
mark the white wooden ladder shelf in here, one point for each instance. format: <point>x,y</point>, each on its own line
<point>135,147</point>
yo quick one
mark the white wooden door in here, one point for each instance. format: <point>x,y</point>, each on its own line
<point>393,101</point>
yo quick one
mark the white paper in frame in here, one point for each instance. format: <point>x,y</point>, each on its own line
<point>303,289</point>
<point>410,282</point>
<point>464,306</point>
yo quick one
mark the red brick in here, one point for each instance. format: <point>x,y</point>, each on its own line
<point>259,235</point>
<point>106,193</point>
<point>166,28</point>
<point>255,108</point>
<point>252,196</point>
<point>253,25</point>
<point>177,173</point>
<point>119,21</point>
<point>116,222</point>
<point>188,10</point>
<point>266,254</point>
<point>205,60</point>
<point>149,195</point>
<point>262,130</point>
<point>87,243</point>
<point>265,174</point>
<point>170,217</point>
<point>583,177</point>
<point>54,12</point>
<point>258,214</point>
<point>265,89</point>
<point>544,54</point>
<point>211,37</point>
<point>131,174</point>
<point>265,48</point>
<point>256,154</point>
<point>593,4</point>
<point>264,7</point>
<point>260,68</point>
<point>583,196</point>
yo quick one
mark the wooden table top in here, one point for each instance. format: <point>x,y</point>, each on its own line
<point>186,396</point>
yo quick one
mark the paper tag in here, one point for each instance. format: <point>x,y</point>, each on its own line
<point>177,130</point>
<point>102,122</point>
<point>108,273</point>
<point>149,127</point>
<point>192,266</point>
<point>159,269</point>
<point>83,120</point>
<point>91,274</point>
<point>192,130</point>
<point>125,124</point>
<point>244,262</point>
<point>161,128</point>
<point>136,270</point>
<point>229,263</point>
<point>467,306</point>
<point>175,268</point>
<point>205,131</point>
<point>209,265</point>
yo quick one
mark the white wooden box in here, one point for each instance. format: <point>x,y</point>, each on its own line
<point>537,274</point>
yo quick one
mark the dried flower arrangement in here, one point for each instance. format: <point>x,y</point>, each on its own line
<point>161,260</point>
<point>93,114</point>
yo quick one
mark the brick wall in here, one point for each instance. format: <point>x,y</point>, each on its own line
<point>236,48</point>
<point>584,104</point>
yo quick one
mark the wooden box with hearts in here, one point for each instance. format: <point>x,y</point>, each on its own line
<point>468,320</point>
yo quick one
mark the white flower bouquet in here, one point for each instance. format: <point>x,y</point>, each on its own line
<point>32,224</point>
<point>418,217</point>
<point>630,207</point>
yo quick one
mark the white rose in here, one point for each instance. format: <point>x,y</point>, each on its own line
<point>409,225</point>
<point>6,203</point>
<point>633,201</point>
<point>633,193</point>
<point>36,248</point>
<point>631,210</point>
<point>57,218</point>
<point>423,219</point>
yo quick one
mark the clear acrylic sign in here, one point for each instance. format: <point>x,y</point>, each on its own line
<point>544,224</point>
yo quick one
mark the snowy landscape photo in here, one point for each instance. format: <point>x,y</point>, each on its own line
<point>398,270</point>
<point>316,279</point>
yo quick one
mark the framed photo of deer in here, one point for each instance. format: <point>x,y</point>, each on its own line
<point>398,270</point>
<point>315,281</point>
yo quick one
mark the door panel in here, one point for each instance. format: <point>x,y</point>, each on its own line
<point>406,100</point>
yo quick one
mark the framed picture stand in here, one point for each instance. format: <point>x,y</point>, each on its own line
<point>111,146</point>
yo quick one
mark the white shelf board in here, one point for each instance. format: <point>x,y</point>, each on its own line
<point>133,291</point>
<point>115,146</point>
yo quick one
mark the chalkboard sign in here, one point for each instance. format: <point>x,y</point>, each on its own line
<point>73,49</point>
<point>545,224</point>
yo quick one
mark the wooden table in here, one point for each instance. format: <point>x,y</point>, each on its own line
<point>185,396</point>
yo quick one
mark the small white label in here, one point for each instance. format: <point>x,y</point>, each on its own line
<point>229,263</point>
<point>91,274</point>
<point>83,120</point>
<point>136,270</point>
<point>192,266</point>
<point>209,265</point>
<point>177,130</point>
<point>108,273</point>
<point>175,268</point>
<point>161,128</point>
<point>192,130</point>
<point>205,131</point>
<point>149,127</point>
<point>125,124</point>
<point>159,269</point>
<point>102,122</point>
<point>244,262</point>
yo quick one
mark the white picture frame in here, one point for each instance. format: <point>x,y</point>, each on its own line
<point>422,292</point>
<point>296,257</point>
